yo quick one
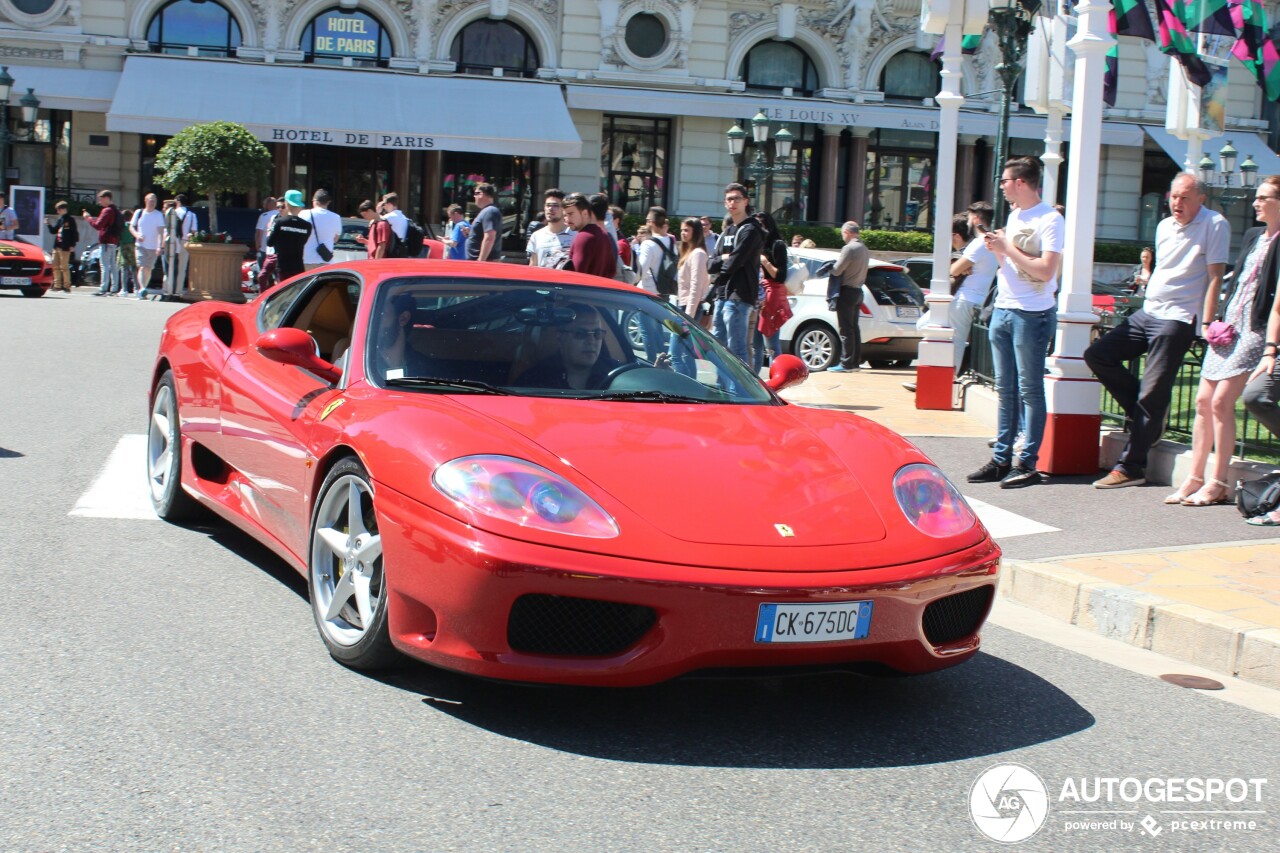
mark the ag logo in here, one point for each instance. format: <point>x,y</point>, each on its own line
<point>1009,803</point>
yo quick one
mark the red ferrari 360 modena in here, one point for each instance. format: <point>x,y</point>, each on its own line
<point>542,476</point>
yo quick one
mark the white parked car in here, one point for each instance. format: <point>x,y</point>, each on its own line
<point>891,305</point>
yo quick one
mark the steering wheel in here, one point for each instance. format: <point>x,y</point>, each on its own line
<point>625,367</point>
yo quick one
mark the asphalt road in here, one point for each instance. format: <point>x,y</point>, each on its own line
<point>163,687</point>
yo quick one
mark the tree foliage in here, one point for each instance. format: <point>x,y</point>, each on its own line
<point>208,159</point>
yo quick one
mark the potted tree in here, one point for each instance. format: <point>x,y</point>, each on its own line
<point>209,159</point>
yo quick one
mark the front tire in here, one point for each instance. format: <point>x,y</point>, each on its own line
<point>33,292</point>
<point>346,579</point>
<point>164,455</point>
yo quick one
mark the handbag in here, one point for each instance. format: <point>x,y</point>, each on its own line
<point>325,253</point>
<point>1220,334</point>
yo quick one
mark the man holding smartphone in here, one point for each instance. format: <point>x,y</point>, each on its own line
<point>978,265</point>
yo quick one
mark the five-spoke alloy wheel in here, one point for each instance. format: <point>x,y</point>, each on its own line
<point>164,455</point>
<point>348,585</point>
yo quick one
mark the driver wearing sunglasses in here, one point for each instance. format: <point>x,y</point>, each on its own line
<point>579,361</point>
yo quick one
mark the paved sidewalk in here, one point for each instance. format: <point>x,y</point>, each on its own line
<point>1214,605</point>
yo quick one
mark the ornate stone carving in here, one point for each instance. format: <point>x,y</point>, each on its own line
<point>740,21</point>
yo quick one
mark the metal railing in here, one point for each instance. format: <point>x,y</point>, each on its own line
<point>1253,440</point>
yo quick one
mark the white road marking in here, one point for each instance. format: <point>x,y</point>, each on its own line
<point>1003,524</point>
<point>120,489</point>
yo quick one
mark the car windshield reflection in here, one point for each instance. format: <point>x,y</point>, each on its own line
<point>458,336</point>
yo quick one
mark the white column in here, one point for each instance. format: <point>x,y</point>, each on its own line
<point>1074,396</point>
<point>933,382</point>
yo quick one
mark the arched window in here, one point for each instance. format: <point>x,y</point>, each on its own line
<point>911,76</point>
<point>485,45</point>
<point>772,66</point>
<point>184,24</point>
<point>336,35</point>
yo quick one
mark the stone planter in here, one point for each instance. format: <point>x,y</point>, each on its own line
<point>214,271</point>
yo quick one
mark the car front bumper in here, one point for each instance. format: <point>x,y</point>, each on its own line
<point>466,600</point>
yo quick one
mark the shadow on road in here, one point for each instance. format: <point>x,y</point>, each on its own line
<point>830,721</point>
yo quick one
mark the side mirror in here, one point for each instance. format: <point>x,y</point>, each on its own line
<point>297,348</point>
<point>785,371</point>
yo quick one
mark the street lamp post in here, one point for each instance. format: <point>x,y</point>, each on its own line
<point>30,112</point>
<point>782,141</point>
<point>1219,181</point>
<point>1011,20</point>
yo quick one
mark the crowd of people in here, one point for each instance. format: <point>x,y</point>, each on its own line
<point>734,284</point>
<point>1013,272</point>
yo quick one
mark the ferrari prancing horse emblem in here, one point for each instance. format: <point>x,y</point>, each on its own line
<point>784,530</point>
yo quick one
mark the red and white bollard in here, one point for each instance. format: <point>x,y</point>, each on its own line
<point>935,361</point>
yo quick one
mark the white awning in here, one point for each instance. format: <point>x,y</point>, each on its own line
<point>618,99</point>
<point>347,107</point>
<point>1248,144</point>
<point>65,88</point>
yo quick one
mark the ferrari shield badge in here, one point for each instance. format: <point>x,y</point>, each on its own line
<point>784,530</point>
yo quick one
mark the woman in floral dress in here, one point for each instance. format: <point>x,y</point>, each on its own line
<point>1227,366</point>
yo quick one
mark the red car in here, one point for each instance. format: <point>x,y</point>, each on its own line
<point>25,267</point>
<point>476,466</point>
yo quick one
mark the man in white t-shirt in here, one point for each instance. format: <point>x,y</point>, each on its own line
<point>8,219</point>
<point>1029,253</point>
<point>554,239</point>
<point>661,248</point>
<point>147,228</point>
<point>978,266</point>
<point>398,221</point>
<point>263,228</point>
<point>326,228</point>
<point>1191,257</point>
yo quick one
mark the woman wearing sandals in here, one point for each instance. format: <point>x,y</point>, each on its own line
<point>1229,363</point>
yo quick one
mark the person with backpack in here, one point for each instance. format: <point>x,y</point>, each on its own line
<point>109,226</point>
<point>65,237</point>
<point>181,224</point>
<point>775,310</point>
<point>658,264</point>
<point>407,236</point>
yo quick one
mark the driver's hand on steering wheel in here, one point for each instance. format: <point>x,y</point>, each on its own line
<point>663,362</point>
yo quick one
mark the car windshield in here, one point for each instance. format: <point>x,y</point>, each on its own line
<point>467,335</point>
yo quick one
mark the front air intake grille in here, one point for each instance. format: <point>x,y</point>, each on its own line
<point>956,616</point>
<point>20,267</point>
<point>584,627</point>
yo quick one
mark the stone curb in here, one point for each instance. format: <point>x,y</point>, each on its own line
<point>1221,643</point>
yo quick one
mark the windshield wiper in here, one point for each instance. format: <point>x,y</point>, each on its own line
<point>655,396</point>
<point>438,382</point>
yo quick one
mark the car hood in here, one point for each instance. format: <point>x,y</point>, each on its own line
<point>716,474</point>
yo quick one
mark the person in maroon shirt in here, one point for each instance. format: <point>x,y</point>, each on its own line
<point>378,242</point>
<point>109,227</point>
<point>593,251</point>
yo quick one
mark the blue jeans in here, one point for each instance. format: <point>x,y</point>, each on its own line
<point>730,326</point>
<point>654,337</point>
<point>1019,343</point>
<point>109,268</point>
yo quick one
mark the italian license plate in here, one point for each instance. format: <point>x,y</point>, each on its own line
<point>15,281</point>
<point>813,623</point>
<point>908,311</point>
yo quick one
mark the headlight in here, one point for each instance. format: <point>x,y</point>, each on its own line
<point>48,259</point>
<point>931,502</point>
<point>522,493</point>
